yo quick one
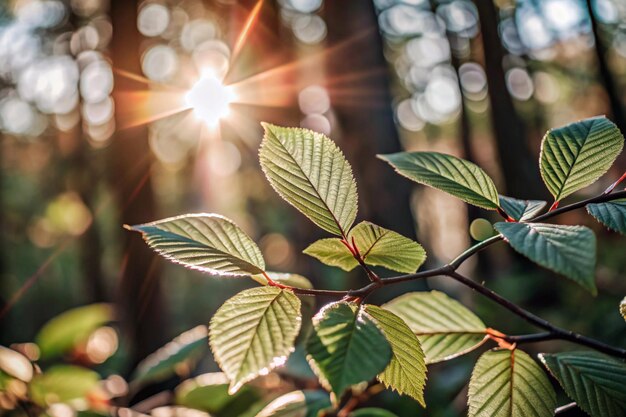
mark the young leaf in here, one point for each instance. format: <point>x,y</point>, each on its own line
<point>378,247</point>
<point>209,392</point>
<point>307,403</point>
<point>611,214</point>
<point>346,347</point>
<point>595,381</point>
<point>576,155</point>
<point>372,412</point>
<point>310,172</point>
<point>254,332</point>
<point>448,173</point>
<point>187,348</point>
<point>206,242</point>
<point>61,384</point>
<point>406,372</point>
<point>509,383</point>
<point>444,327</point>
<point>568,250</point>
<point>63,332</point>
<point>521,210</point>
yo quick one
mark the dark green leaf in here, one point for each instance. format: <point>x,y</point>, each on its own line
<point>611,214</point>
<point>576,155</point>
<point>521,210</point>
<point>187,348</point>
<point>444,327</point>
<point>406,372</point>
<point>448,173</point>
<point>254,332</point>
<point>308,170</point>
<point>346,347</point>
<point>509,383</point>
<point>71,328</point>
<point>307,403</point>
<point>595,381</point>
<point>568,250</point>
<point>206,242</point>
<point>372,412</point>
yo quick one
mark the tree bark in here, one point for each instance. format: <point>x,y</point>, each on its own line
<point>139,299</point>
<point>519,168</point>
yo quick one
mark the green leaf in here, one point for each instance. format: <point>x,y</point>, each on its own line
<point>254,332</point>
<point>206,242</point>
<point>568,250</point>
<point>307,403</point>
<point>406,372</point>
<point>575,156</point>
<point>448,173</point>
<point>378,247</point>
<point>209,392</point>
<point>521,210</point>
<point>309,171</point>
<point>595,381</point>
<point>611,214</point>
<point>444,327</point>
<point>509,383</point>
<point>372,412</point>
<point>71,328</point>
<point>62,383</point>
<point>346,347</point>
<point>622,308</point>
<point>186,348</point>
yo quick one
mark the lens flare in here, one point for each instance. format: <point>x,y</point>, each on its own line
<point>210,99</point>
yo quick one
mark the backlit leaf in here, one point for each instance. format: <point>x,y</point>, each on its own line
<point>65,331</point>
<point>187,348</point>
<point>508,383</point>
<point>307,403</point>
<point>448,173</point>
<point>62,383</point>
<point>611,214</point>
<point>206,242</point>
<point>622,308</point>
<point>444,327</point>
<point>254,332</point>
<point>576,155</point>
<point>346,347</point>
<point>309,171</point>
<point>406,372</point>
<point>595,381</point>
<point>378,247</point>
<point>521,210</point>
<point>568,250</point>
<point>15,364</point>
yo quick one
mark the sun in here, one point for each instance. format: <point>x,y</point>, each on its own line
<point>210,99</point>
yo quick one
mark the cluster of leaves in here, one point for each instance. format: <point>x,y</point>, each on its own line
<point>351,342</point>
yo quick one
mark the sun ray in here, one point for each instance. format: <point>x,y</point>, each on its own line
<point>246,30</point>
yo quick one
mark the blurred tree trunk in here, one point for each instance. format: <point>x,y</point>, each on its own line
<point>606,77</point>
<point>519,168</point>
<point>367,128</point>
<point>139,298</point>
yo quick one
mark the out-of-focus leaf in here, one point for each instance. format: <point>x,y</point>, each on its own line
<point>310,172</point>
<point>595,381</point>
<point>575,156</point>
<point>372,412</point>
<point>62,383</point>
<point>448,173</point>
<point>15,364</point>
<point>346,347</point>
<point>186,349</point>
<point>254,332</point>
<point>509,383</point>
<point>521,210</point>
<point>177,411</point>
<point>406,372</point>
<point>445,328</point>
<point>568,250</point>
<point>206,242</point>
<point>209,392</point>
<point>71,328</point>
<point>611,214</point>
<point>622,308</point>
<point>307,403</point>
<point>378,247</point>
